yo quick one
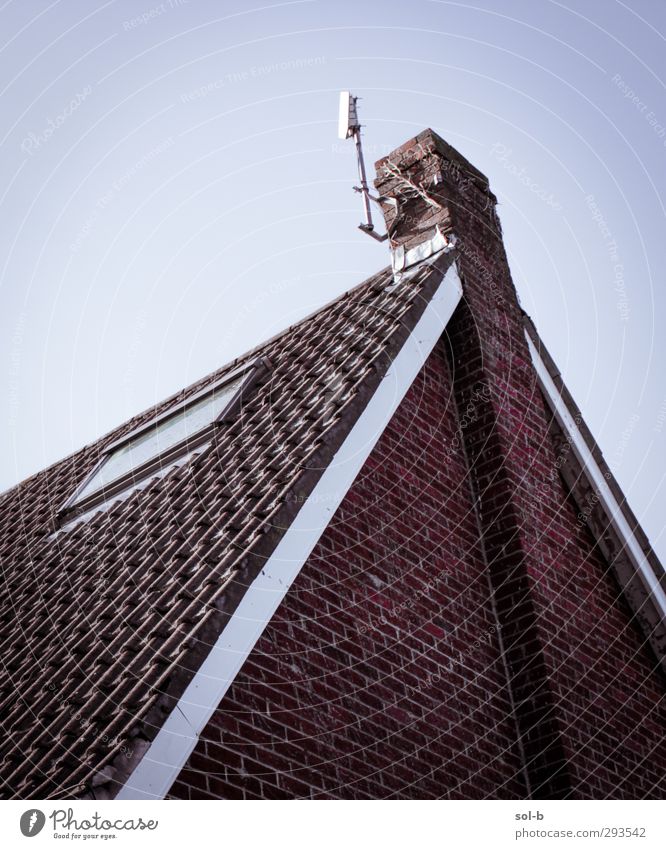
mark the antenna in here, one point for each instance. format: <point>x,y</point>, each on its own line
<point>348,126</point>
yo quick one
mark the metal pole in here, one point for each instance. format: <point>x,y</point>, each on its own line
<point>364,182</point>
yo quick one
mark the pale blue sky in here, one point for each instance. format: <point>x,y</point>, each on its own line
<point>172,191</point>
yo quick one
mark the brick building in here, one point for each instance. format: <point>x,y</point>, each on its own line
<point>380,556</point>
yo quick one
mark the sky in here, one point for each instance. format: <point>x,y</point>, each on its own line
<point>173,191</point>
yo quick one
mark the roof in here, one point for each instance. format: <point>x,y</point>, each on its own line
<point>108,619</point>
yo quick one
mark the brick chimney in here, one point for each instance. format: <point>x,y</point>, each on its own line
<point>429,192</point>
<point>422,183</point>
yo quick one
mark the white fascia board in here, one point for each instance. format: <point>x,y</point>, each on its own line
<point>169,751</point>
<point>598,481</point>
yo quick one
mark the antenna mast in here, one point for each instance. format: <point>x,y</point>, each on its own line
<point>349,126</point>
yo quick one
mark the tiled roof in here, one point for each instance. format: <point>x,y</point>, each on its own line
<point>105,622</point>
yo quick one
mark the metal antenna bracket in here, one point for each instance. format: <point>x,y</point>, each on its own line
<point>348,127</point>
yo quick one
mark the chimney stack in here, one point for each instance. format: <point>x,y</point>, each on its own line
<point>424,185</point>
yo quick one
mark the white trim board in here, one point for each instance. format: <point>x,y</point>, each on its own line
<point>598,481</point>
<point>169,751</point>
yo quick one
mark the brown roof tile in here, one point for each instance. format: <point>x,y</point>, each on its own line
<point>105,622</point>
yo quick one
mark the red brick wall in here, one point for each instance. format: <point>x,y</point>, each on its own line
<point>380,675</point>
<point>610,696</point>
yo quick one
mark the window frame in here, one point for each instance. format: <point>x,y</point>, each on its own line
<point>248,373</point>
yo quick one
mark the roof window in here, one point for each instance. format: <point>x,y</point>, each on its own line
<point>158,445</point>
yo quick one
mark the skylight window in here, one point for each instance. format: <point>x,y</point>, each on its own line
<point>158,445</point>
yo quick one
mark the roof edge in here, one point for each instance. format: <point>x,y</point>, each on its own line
<point>159,764</point>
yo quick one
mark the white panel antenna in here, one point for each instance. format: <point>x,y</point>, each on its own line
<point>348,123</point>
<point>348,126</point>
